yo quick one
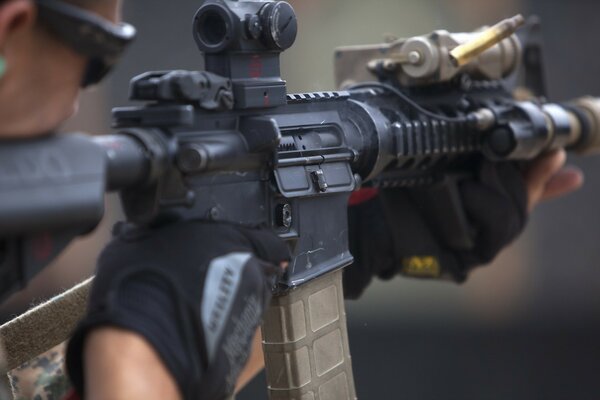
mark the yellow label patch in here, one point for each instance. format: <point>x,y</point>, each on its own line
<point>421,267</point>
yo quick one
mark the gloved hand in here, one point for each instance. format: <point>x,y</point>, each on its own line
<point>196,291</point>
<point>401,230</point>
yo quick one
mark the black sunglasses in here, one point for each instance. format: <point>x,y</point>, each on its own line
<point>102,41</point>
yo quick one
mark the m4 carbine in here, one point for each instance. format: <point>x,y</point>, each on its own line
<point>229,144</point>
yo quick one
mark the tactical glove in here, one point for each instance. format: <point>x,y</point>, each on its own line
<point>196,291</point>
<point>436,232</point>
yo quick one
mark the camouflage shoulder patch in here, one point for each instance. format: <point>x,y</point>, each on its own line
<point>4,382</point>
<point>42,378</point>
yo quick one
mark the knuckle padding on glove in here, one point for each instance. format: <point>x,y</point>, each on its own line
<point>496,205</point>
<point>155,284</point>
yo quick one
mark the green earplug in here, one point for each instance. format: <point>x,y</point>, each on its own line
<point>2,66</point>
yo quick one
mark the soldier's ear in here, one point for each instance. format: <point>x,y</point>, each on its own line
<point>16,16</point>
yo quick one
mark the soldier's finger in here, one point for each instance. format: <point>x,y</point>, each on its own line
<point>563,182</point>
<point>539,172</point>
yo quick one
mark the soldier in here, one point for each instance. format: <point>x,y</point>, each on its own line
<point>186,313</point>
<point>191,341</point>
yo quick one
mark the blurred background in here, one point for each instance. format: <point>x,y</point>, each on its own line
<point>527,327</point>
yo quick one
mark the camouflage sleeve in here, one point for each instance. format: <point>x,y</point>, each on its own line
<point>42,378</point>
<point>4,384</point>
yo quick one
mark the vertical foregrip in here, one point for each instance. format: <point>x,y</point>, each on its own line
<point>305,342</point>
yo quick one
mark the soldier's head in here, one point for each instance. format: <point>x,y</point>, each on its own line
<point>49,49</point>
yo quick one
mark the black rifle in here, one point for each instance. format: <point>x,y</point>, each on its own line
<point>230,144</point>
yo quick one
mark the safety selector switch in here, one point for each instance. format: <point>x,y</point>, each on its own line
<point>318,178</point>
